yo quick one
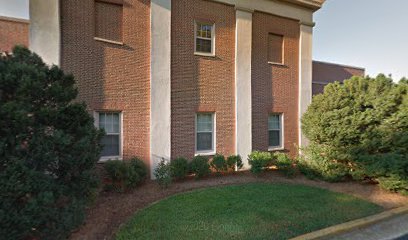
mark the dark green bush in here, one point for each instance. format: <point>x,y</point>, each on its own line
<point>48,150</point>
<point>163,173</point>
<point>320,163</point>
<point>284,164</point>
<point>179,168</point>
<point>218,163</point>
<point>260,161</point>
<point>234,162</point>
<point>140,167</point>
<point>124,175</point>
<point>359,129</point>
<point>200,167</point>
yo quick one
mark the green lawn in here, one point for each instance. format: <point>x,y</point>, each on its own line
<point>251,211</point>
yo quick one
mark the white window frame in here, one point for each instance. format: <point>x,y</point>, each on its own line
<point>212,54</point>
<point>96,117</point>
<point>214,134</point>
<point>282,130</point>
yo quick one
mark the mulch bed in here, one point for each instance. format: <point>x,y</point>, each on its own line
<point>111,210</point>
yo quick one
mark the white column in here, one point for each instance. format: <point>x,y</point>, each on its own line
<point>305,75</point>
<point>160,91</point>
<point>45,33</point>
<point>243,95</point>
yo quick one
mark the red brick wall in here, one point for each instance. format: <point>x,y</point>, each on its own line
<point>274,87</point>
<point>112,77</point>
<point>13,32</point>
<point>200,83</point>
<point>329,72</point>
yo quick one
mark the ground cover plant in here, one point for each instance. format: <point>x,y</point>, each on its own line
<point>250,211</point>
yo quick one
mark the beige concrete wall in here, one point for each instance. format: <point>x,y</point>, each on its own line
<point>160,79</point>
<point>45,35</point>
<point>243,95</point>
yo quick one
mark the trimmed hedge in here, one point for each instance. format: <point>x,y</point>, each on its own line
<point>179,168</point>
<point>200,166</point>
<point>260,161</point>
<point>124,175</point>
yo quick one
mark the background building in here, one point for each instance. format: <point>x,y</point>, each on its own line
<point>325,73</point>
<point>13,31</point>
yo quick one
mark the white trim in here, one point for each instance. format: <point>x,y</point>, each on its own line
<point>282,132</point>
<point>212,54</point>
<point>160,82</point>
<point>96,124</point>
<point>214,136</point>
<point>243,87</point>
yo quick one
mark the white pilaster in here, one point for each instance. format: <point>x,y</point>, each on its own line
<point>45,33</point>
<point>160,91</point>
<point>243,95</point>
<point>305,75</point>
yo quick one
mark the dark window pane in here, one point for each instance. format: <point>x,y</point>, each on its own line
<point>274,122</point>
<point>274,139</point>
<point>203,45</point>
<point>110,145</point>
<point>109,122</point>
<point>204,141</point>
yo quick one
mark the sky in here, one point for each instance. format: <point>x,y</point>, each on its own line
<point>372,34</point>
<point>367,33</point>
<point>14,8</point>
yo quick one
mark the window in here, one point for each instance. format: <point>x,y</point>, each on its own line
<point>205,136</point>
<point>275,48</point>
<point>108,20</point>
<point>275,129</point>
<point>204,39</point>
<point>111,123</point>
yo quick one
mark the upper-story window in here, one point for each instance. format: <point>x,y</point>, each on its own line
<point>275,49</point>
<point>109,20</point>
<point>204,39</point>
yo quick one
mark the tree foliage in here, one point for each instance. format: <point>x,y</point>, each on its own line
<point>361,128</point>
<point>48,150</point>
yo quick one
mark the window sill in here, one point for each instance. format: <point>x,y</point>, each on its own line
<point>108,41</point>
<point>277,64</point>
<point>204,54</point>
<point>212,153</point>
<point>105,159</point>
<point>273,149</point>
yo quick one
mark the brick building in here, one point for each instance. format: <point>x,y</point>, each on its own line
<point>172,78</point>
<point>325,73</point>
<point>13,31</point>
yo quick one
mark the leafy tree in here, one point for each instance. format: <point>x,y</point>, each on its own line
<point>360,129</point>
<point>48,150</point>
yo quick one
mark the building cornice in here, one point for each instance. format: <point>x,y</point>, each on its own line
<point>18,20</point>
<point>311,4</point>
